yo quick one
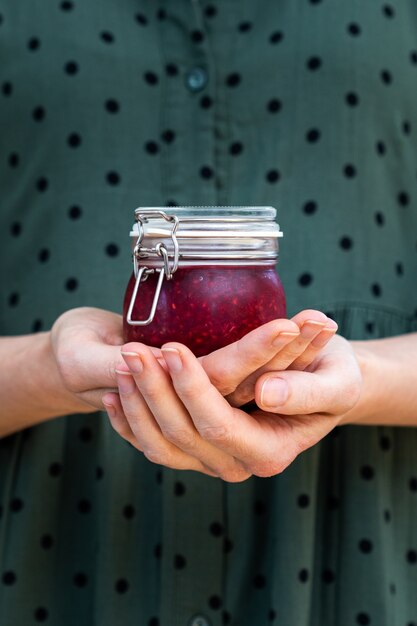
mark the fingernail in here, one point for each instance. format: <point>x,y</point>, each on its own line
<point>283,337</point>
<point>274,392</point>
<point>331,324</point>
<point>125,381</point>
<point>323,338</point>
<point>133,361</point>
<point>110,409</point>
<point>310,329</point>
<point>172,359</point>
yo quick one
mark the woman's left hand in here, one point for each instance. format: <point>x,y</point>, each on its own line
<point>295,409</point>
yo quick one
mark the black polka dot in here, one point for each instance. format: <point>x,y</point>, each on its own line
<point>376,290</point>
<point>13,159</point>
<point>399,269</point>
<point>74,212</point>
<point>74,140</point>
<point>161,14</point>
<point>259,507</point>
<point>352,99</point>
<point>66,5</point>
<point>42,184</point>
<point>333,503</point>
<point>46,542</point>
<point>14,298</point>
<point>129,511</point>
<point>197,36</point>
<point>413,57</point>
<point>380,148</point>
<point>349,170</point>
<point>215,602</point>
<point>403,199</point>
<point>16,229</point>
<point>113,178</point>
<point>388,11</point>
<point>84,506</point>
<point>79,579</point>
<point>38,113</point>
<point>55,469</point>
<point>206,102</point>
<point>244,27</point>
<point>226,617</point>
<point>216,529</point>
<point>236,148</point>
<point>121,585</point>
<point>99,472</point>
<point>259,581</point>
<point>354,29</point>
<point>346,243</point>
<point>274,105</point>
<point>41,614</point>
<point>34,44</point>
<point>171,69</point>
<point>85,434</point>
<point>227,545</point>
<point>310,207</point>
<point>363,619</point>
<point>107,36</point>
<point>303,501</point>
<point>71,284</point>
<point>379,218</point>
<point>386,77</point>
<point>313,135</point>
<point>168,136</point>
<point>179,561</point>
<point>305,279</point>
<point>365,546</point>
<point>272,614</point>
<point>71,68</point>
<point>112,106</point>
<point>154,621</point>
<point>112,249</point>
<point>273,176</point>
<point>9,578</point>
<point>385,443</point>
<point>367,472</point>
<point>413,484</point>
<point>151,78</point>
<point>206,172</point>
<point>141,19</point>
<point>406,128</point>
<point>313,63</point>
<point>328,576</point>
<point>233,79</point>
<point>303,575</point>
<point>412,556</point>
<point>387,515</point>
<point>276,37</point>
<point>210,11</point>
<point>179,488</point>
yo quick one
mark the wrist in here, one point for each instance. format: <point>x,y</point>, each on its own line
<point>371,398</point>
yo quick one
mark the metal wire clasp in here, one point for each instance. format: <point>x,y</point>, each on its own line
<point>142,273</point>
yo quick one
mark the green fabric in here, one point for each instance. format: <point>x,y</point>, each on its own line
<point>91,532</point>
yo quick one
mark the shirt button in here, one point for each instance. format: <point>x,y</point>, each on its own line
<point>198,620</point>
<point>196,79</point>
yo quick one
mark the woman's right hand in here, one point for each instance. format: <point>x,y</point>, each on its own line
<point>86,348</point>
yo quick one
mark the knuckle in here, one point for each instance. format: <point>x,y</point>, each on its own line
<point>234,475</point>
<point>181,437</point>
<point>219,380</point>
<point>216,434</point>
<point>159,457</point>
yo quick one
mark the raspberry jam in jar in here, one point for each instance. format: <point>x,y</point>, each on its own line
<point>203,276</point>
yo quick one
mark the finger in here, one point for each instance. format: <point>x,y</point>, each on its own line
<point>314,347</point>
<point>117,418</point>
<point>228,366</point>
<point>332,389</point>
<point>292,352</point>
<point>173,419</point>
<point>146,430</point>
<point>238,433</point>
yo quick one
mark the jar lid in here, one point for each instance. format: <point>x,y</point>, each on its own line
<point>206,233</point>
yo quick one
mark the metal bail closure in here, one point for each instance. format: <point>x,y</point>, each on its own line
<point>143,272</point>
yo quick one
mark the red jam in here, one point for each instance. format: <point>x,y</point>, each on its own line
<point>205,307</point>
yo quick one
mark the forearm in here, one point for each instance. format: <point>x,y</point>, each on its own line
<point>389,393</point>
<point>31,389</point>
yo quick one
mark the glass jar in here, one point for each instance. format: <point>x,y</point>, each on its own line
<point>203,276</point>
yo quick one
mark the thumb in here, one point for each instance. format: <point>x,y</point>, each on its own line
<point>294,392</point>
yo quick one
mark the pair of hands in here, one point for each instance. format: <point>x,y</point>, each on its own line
<point>182,412</point>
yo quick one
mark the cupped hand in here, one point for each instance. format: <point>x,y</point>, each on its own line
<point>179,419</point>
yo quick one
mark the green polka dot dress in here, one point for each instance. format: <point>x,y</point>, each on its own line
<point>308,106</point>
